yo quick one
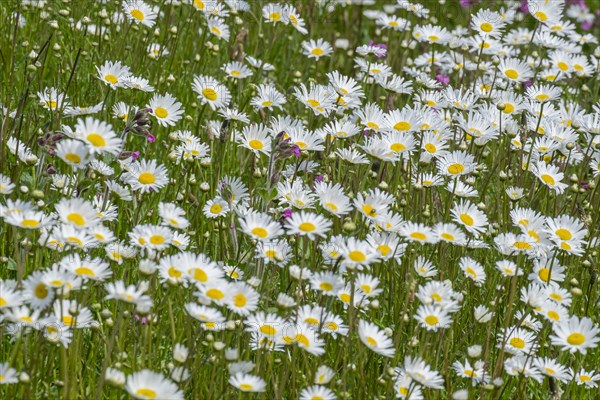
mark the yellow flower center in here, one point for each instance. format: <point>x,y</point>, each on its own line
<point>239,300</point>
<point>418,235</point>
<point>317,52</point>
<point>511,73</point>
<point>357,256</point>
<point>147,393</point>
<point>563,234</point>
<point>268,330</point>
<point>260,232</point>
<point>467,219</point>
<point>111,78</point>
<point>397,147</point>
<point>137,14</point>
<point>161,112</point>
<point>456,169</point>
<point>431,320</point>
<point>576,339</point>
<point>157,239</point>
<point>372,342</point>
<point>77,219</point>
<point>307,227</point>
<point>548,179</point>
<point>486,27</point>
<point>215,294</point>
<point>517,342</point>
<point>72,157</point>
<point>85,271</point>
<point>96,140</point>
<point>326,286</point>
<point>174,272</point>
<point>210,94</point>
<point>146,178</point>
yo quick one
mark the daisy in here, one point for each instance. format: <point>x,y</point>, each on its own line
<point>417,232</point>
<point>432,318</point>
<point>456,163</point>
<point>64,310</point>
<point>317,392</point>
<point>146,384</point>
<point>36,293</point>
<point>52,99</point>
<point>237,70</point>
<point>94,269</point>
<point>242,299</point>
<point>215,208</point>
<point>256,138</point>
<point>218,28</point>
<point>146,176</point>
<point>418,370</point>
<point>7,374</point>
<point>74,153</point>
<point>424,268</point>
<point>316,48</point>
<point>515,70</point>
<point>517,341</point>
<point>488,23</point>
<point>6,186</point>
<point>166,109</point>
<point>135,82</point>
<point>153,237</point>
<point>473,270</point>
<point>323,375</point>
<point>587,378</point>
<point>305,337</point>
<point>267,96</point>
<point>550,176</point>
<point>307,224</point>
<point>575,335</point>
<point>139,12</point>
<point>211,92</point>
<point>210,318</point>
<point>375,339</point>
<point>247,382</point>
<point>129,294</point>
<point>468,215</point>
<point>98,135</point>
<point>113,74</point>
<point>77,212</point>
<point>450,233</point>
<point>260,226</point>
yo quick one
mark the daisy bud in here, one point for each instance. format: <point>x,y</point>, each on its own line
<point>460,395</point>
<point>230,325</point>
<point>115,377</point>
<point>349,226</point>
<point>24,377</point>
<point>231,354</point>
<point>37,194</point>
<point>501,106</point>
<point>474,351</point>
<point>576,292</point>
<point>31,159</point>
<point>498,381</point>
<point>374,304</point>
<point>54,24</point>
<point>488,387</point>
<point>218,346</point>
<point>56,47</point>
<point>587,263</point>
<point>109,322</point>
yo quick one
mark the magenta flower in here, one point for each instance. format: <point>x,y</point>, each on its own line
<point>287,213</point>
<point>443,79</point>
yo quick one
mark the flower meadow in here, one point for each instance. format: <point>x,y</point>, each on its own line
<point>310,200</point>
